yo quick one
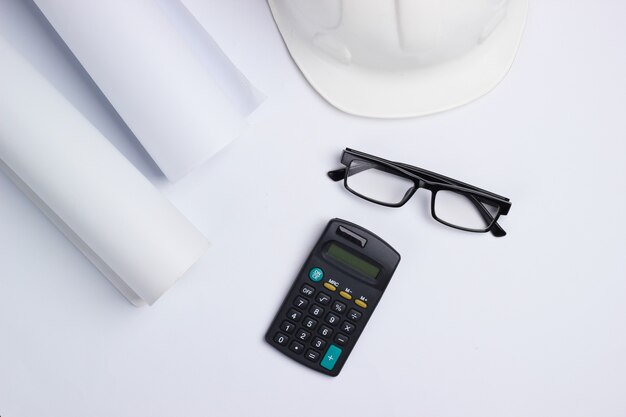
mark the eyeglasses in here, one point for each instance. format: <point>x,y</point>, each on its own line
<point>392,184</point>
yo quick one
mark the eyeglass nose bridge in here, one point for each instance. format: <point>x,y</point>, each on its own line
<point>418,183</point>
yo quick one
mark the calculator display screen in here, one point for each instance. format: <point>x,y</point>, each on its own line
<point>348,258</point>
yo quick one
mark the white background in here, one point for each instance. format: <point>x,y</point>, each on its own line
<point>533,324</point>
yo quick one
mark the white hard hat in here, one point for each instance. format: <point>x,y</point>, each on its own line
<point>401,58</point>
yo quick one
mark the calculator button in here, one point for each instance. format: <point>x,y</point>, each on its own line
<point>316,310</point>
<point>307,290</point>
<point>345,295</point>
<point>341,339</point>
<point>332,319</point>
<point>303,335</point>
<point>300,302</point>
<point>325,331</point>
<point>294,314</point>
<point>354,315</point>
<point>296,347</point>
<point>316,274</point>
<point>319,343</point>
<point>347,327</point>
<point>323,298</point>
<point>360,303</point>
<point>329,286</point>
<point>339,307</point>
<point>287,327</point>
<point>281,339</point>
<point>312,355</point>
<point>309,323</point>
<point>330,357</point>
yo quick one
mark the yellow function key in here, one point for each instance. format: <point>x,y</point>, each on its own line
<point>360,303</point>
<point>330,286</point>
<point>345,295</point>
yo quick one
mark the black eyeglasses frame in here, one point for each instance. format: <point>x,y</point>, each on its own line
<point>433,182</point>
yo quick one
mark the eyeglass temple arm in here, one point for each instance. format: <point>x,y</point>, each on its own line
<point>339,174</point>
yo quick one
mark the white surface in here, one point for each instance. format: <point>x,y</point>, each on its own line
<point>401,58</point>
<point>99,200</point>
<point>174,88</point>
<point>471,326</point>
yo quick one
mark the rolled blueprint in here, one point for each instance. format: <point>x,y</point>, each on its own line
<point>165,76</point>
<point>98,199</point>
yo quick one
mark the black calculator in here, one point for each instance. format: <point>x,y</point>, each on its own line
<point>333,297</point>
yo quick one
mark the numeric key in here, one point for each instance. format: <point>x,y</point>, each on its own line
<point>332,319</point>
<point>319,343</point>
<point>303,335</point>
<point>316,310</point>
<point>301,302</point>
<point>281,339</point>
<point>309,323</point>
<point>287,327</point>
<point>325,331</point>
<point>294,314</point>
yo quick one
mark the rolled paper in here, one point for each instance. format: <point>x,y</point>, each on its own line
<point>165,76</point>
<point>94,195</point>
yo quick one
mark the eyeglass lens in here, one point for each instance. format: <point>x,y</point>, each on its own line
<point>462,210</point>
<point>376,182</point>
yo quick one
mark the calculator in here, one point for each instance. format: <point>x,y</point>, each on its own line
<point>333,297</point>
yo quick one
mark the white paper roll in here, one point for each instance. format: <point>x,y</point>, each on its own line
<point>171,84</point>
<point>98,199</point>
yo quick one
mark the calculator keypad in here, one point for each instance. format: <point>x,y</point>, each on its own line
<point>319,326</point>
